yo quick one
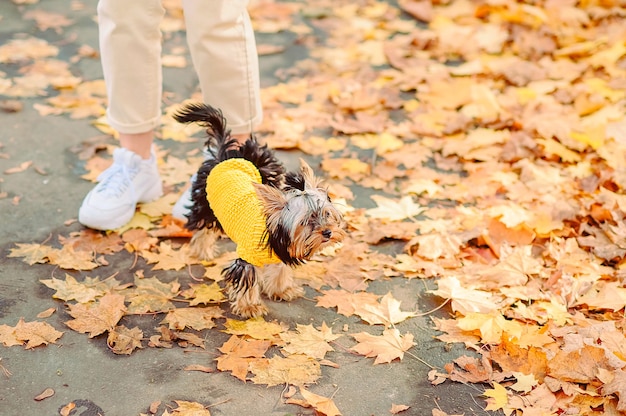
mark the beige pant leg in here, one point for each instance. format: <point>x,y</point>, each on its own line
<point>223,49</point>
<point>130,49</point>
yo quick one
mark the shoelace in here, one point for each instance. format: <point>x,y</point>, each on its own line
<point>115,180</point>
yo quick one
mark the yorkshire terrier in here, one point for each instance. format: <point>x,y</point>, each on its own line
<point>278,220</point>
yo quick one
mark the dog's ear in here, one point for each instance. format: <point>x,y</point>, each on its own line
<point>294,180</point>
<point>310,180</point>
<point>271,198</point>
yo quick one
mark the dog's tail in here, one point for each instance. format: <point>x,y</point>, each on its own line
<point>218,136</point>
<point>222,146</point>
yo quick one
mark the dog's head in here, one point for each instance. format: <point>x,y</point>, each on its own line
<point>301,219</point>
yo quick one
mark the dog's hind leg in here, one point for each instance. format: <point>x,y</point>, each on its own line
<point>203,244</point>
<point>244,289</point>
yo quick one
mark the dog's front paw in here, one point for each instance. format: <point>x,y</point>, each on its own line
<point>250,311</point>
<point>290,293</point>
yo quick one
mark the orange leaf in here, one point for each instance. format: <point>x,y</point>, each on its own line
<point>99,317</point>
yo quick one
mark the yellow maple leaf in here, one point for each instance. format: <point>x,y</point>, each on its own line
<point>71,289</point>
<point>195,318</point>
<point>525,382</point>
<point>387,312</point>
<point>68,258</point>
<point>296,369</point>
<point>466,299</point>
<point>169,258</point>
<point>256,328</point>
<point>497,397</point>
<point>389,346</point>
<point>139,220</point>
<point>31,253</point>
<point>203,293</point>
<point>309,341</point>
<point>553,147</point>
<point>491,326</point>
<point>36,333</point>
<point>160,207</point>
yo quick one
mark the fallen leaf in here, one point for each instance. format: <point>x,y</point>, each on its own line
<point>386,348</point>
<point>44,394</point>
<point>36,333</point>
<point>309,341</point>
<point>294,369</point>
<point>321,404</point>
<point>99,317</point>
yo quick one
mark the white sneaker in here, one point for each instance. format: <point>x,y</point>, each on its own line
<point>129,180</point>
<point>182,207</point>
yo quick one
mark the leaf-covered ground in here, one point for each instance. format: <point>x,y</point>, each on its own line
<point>490,136</point>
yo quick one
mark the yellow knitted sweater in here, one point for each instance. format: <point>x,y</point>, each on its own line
<point>237,207</point>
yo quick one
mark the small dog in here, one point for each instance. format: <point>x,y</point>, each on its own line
<point>278,220</point>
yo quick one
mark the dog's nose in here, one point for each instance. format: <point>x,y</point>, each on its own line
<point>327,233</point>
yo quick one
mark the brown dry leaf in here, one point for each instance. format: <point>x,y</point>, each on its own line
<point>617,386</point>
<point>122,340</point>
<point>398,408</point>
<point>198,367</point>
<point>47,313</point>
<point>94,241</point>
<point>238,353</point>
<point>138,240</point>
<point>44,394</point>
<point>36,333</point>
<point>190,409</point>
<point>387,347</point>
<point>67,409</point>
<point>349,168</point>
<point>346,302</point>
<point>511,357</point>
<point>151,295</point>
<point>99,317</point>
<point>20,168</point>
<point>470,370</point>
<point>321,404</point>
<point>8,337</point>
<point>580,366</point>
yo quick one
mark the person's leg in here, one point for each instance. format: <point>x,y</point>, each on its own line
<point>130,49</point>
<point>223,50</point>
